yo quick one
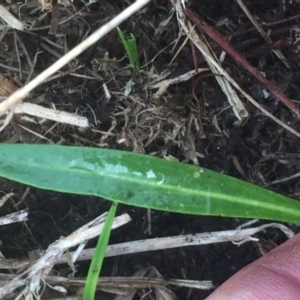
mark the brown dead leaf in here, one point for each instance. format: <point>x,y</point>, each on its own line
<point>6,87</point>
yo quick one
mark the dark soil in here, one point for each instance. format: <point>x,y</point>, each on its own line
<point>164,128</point>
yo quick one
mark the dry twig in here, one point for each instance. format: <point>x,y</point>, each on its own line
<point>10,19</point>
<point>238,58</point>
<point>41,268</point>
<point>51,114</point>
<point>232,97</point>
<point>267,38</point>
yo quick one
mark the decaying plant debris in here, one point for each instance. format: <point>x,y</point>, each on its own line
<point>218,87</point>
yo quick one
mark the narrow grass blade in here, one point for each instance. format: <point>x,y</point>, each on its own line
<point>98,256</point>
<point>143,181</point>
<point>130,47</point>
<point>133,51</point>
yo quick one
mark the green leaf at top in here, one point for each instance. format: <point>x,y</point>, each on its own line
<point>142,181</point>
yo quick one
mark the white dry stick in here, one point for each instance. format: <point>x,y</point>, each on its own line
<point>75,254</point>
<point>20,94</point>
<point>16,217</point>
<point>184,77</point>
<point>237,105</point>
<point>7,88</point>
<point>5,198</point>
<point>238,235</point>
<point>51,114</point>
<point>10,19</point>
<point>163,85</point>
<point>285,179</point>
<point>43,266</point>
<point>118,285</point>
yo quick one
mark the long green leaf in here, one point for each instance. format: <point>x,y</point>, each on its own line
<point>142,181</point>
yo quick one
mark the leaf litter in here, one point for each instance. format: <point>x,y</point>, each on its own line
<point>220,117</point>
